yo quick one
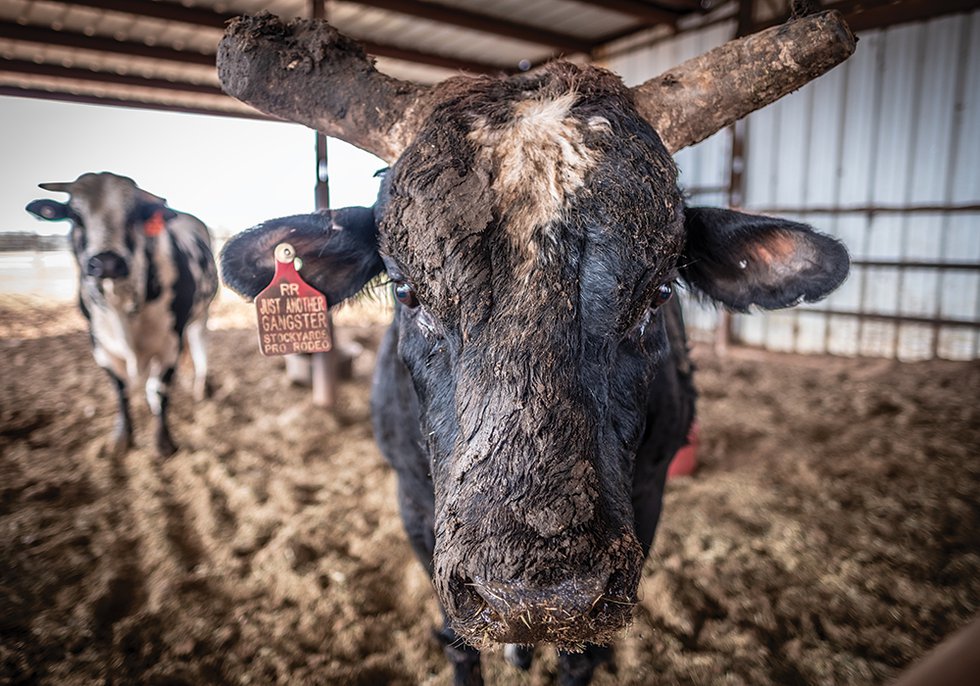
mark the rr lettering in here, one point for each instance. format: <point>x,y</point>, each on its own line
<point>289,289</point>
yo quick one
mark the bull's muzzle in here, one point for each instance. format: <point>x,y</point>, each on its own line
<point>107,265</point>
<point>586,605</point>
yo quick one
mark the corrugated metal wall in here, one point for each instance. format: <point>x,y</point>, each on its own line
<point>883,152</point>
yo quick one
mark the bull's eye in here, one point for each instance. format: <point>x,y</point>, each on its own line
<point>663,294</point>
<point>405,294</point>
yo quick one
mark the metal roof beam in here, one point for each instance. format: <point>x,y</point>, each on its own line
<point>482,22</point>
<point>645,12</point>
<point>164,9</point>
<point>406,55</point>
<point>877,14</point>
<point>67,96</point>
<point>68,39</point>
<point>13,66</point>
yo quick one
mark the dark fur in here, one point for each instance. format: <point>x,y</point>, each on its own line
<point>531,413</point>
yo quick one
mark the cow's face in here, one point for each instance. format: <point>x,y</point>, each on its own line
<point>533,231</point>
<point>111,221</point>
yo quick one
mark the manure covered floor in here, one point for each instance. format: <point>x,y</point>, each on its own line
<point>831,535</point>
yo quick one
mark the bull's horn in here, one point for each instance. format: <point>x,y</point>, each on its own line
<point>57,187</point>
<point>308,72</point>
<point>152,198</point>
<point>705,94</point>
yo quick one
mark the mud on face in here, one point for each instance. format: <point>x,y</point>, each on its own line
<point>533,258</point>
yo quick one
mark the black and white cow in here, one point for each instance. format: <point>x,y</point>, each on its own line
<point>146,278</point>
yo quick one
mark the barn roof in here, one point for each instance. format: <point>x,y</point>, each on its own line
<point>160,54</point>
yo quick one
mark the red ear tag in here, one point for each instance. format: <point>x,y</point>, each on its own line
<point>292,314</point>
<point>154,225</point>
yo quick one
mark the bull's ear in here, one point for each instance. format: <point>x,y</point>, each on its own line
<point>339,250</point>
<point>49,210</point>
<point>742,259</point>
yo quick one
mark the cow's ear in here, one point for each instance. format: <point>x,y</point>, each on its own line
<point>339,250</point>
<point>743,260</point>
<point>49,210</point>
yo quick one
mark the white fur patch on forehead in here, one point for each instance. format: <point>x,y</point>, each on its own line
<point>99,193</point>
<point>539,161</point>
<point>104,202</point>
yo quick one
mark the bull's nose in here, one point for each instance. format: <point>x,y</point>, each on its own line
<point>571,597</point>
<point>567,613</point>
<point>107,265</point>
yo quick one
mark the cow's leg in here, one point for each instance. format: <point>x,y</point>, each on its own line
<point>394,408</point>
<point>197,344</point>
<point>519,656</point>
<point>417,519</point>
<point>158,398</point>
<point>576,669</point>
<point>465,659</point>
<point>117,369</point>
<point>122,433</point>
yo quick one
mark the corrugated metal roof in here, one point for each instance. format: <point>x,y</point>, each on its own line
<point>161,52</point>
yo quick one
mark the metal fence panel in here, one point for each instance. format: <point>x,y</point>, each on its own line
<point>882,153</point>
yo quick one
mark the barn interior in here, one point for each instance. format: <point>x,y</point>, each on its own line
<point>830,533</point>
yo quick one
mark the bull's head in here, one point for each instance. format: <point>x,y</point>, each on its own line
<point>533,227</point>
<point>111,220</point>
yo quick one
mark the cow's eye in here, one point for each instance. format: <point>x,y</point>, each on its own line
<point>405,294</point>
<point>663,294</point>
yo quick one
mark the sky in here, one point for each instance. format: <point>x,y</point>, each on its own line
<point>231,173</point>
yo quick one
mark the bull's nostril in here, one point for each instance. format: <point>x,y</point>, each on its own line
<point>107,265</point>
<point>468,600</point>
<point>94,267</point>
<point>530,610</point>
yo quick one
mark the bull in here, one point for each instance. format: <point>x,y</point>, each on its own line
<point>534,383</point>
<point>146,276</point>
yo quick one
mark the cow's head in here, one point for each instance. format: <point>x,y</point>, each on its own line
<point>533,229</point>
<point>111,221</point>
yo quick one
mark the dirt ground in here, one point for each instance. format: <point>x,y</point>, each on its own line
<point>831,535</point>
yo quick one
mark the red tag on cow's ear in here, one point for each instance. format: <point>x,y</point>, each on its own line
<point>292,314</point>
<point>154,225</point>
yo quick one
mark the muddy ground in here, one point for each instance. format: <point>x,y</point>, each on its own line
<point>831,536</point>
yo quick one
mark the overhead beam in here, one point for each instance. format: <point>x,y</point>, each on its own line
<point>13,66</point>
<point>406,55</point>
<point>68,96</point>
<point>163,9</point>
<point>69,39</point>
<point>484,23</point>
<point>199,16</point>
<point>647,13</point>
<point>862,15</point>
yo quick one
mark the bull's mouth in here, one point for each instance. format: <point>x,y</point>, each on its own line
<point>568,614</point>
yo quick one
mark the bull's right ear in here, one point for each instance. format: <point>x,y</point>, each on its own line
<point>48,210</point>
<point>339,250</point>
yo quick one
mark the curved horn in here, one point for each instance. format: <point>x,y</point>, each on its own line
<point>694,100</point>
<point>308,72</point>
<point>57,187</point>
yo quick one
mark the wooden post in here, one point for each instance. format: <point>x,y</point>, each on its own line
<point>323,367</point>
<point>736,174</point>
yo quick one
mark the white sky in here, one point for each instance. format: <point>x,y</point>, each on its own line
<point>231,173</point>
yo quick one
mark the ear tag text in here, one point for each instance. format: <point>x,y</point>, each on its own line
<point>292,315</point>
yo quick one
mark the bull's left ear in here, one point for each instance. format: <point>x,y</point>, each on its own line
<point>48,210</point>
<point>339,250</point>
<point>742,259</point>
